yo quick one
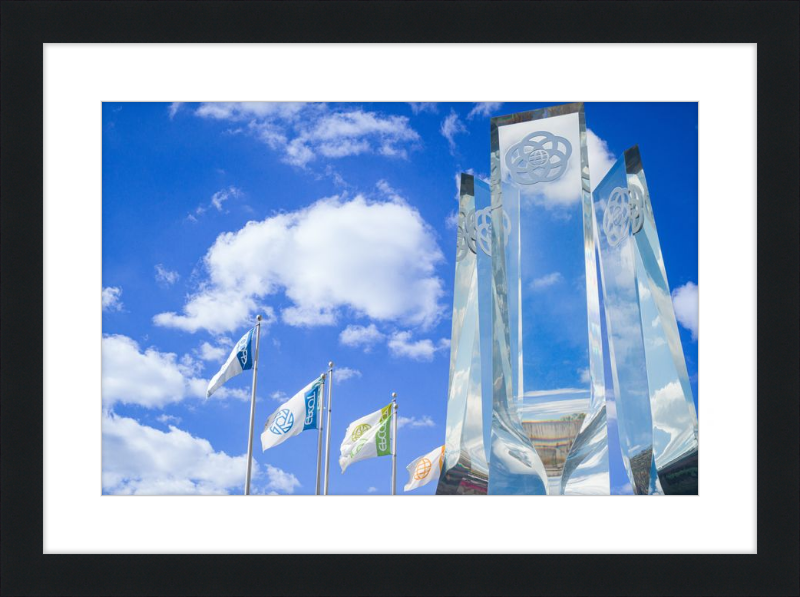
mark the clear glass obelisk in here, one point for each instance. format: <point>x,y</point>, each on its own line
<point>547,348</point>
<point>466,469</point>
<point>656,415</point>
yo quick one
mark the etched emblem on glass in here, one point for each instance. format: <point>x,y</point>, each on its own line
<point>624,212</point>
<point>539,157</point>
<point>465,241</point>
<point>483,229</point>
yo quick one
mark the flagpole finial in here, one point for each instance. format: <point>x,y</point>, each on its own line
<point>258,317</point>
<point>394,394</point>
<point>330,364</point>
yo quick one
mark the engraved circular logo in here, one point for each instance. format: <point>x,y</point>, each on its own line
<point>539,157</point>
<point>283,422</point>
<point>423,469</point>
<point>359,431</point>
<point>624,214</point>
<point>636,203</point>
<point>465,241</point>
<point>483,229</point>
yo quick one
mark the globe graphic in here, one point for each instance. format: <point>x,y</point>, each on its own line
<point>422,469</point>
<point>538,157</point>
<point>359,431</point>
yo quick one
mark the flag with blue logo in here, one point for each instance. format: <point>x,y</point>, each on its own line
<point>302,411</point>
<point>241,359</point>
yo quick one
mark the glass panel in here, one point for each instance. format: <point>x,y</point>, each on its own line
<point>548,366</point>
<point>465,469</point>
<point>655,409</point>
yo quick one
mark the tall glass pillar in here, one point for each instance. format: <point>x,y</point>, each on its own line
<point>655,407</point>
<point>466,469</point>
<point>547,348</point>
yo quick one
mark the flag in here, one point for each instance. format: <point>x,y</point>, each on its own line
<point>425,469</point>
<point>367,437</point>
<point>302,411</point>
<point>241,359</point>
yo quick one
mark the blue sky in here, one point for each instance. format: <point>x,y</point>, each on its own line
<point>335,221</point>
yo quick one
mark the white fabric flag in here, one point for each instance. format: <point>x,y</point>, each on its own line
<point>241,359</point>
<point>425,469</point>
<point>367,437</point>
<point>302,411</point>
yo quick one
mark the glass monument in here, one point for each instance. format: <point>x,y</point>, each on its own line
<point>548,378</point>
<point>656,415</point>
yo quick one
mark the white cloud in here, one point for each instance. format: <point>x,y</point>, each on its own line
<point>483,109</point>
<point>174,107</point>
<point>303,132</point>
<point>209,352</point>
<point>169,419</point>
<point>280,481</point>
<point>165,276</point>
<point>345,373</point>
<point>151,378</point>
<point>279,396</point>
<point>374,259</point>
<point>451,221</point>
<point>401,345</point>
<point>452,126</point>
<point>547,281</point>
<point>220,197</point>
<point>418,107</point>
<point>600,157</point>
<point>372,490</point>
<point>360,335</point>
<point>141,460</point>
<point>111,298</point>
<point>685,300</point>
<point>414,422</point>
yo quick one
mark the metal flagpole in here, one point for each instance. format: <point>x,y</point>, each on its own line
<point>252,409</point>
<point>394,443</point>
<point>319,438</point>
<point>328,424</point>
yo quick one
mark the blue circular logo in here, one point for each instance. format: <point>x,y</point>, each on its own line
<point>283,422</point>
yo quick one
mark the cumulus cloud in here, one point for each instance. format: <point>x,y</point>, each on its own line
<point>418,107</point>
<point>216,354</point>
<point>401,345</point>
<point>151,378</point>
<point>452,126</point>
<point>600,157</point>
<point>345,373</point>
<point>483,109</point>
<point>169,419</point>
<point>685,300</point>
<point>279,481</point>
<point>373,259</point>
<point>372,489</point>
<point>141,460</point>
<point>547,281</point>
<point>165,276</point>
<point>111,298</point>
<point>302,133</point>
<point>360,335</point>
<point>415,422</point>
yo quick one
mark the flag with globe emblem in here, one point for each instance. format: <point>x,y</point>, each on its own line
<point>425,469</point>
<point>241,359</point>
<point>302,411</point>
<point>367,437</point>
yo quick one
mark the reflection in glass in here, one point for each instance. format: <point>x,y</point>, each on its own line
<point>548,371</point>
<point>465,469</point>
<point>655,409</point>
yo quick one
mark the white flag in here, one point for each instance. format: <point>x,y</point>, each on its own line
<point>302,411</point>
<point>425,469</point>
<point>241,359</point>
<point>367,437</point>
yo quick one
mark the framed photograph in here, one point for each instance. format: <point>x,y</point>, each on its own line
<point>468,237</point>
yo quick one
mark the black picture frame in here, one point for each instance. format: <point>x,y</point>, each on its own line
<point>774,570</point>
